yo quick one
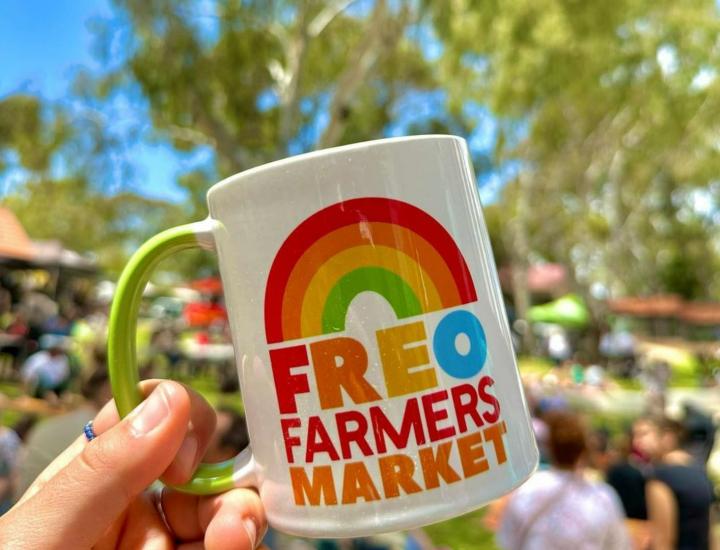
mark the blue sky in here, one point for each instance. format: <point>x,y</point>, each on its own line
<point>42,41</point>
<point>45,42</point>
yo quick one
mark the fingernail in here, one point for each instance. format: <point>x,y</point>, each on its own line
<point>186,455</point>
<point>150,413</point>
<point>251,530</point>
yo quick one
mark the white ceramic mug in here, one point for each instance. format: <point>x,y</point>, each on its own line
<point>375,361</point>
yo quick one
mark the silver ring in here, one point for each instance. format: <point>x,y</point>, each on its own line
<point>161,511</point>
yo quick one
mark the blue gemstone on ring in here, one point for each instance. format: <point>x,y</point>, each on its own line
<point>89,432</point>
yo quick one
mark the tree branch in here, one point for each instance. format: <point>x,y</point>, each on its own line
<point>380,36</point>
<point>191,135</point>
<point>225,143</point>
<point>289,80</point>
<point>520,255</point>
<point>325,17</point>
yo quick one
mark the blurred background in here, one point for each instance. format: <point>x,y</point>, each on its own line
<point>594,129</point>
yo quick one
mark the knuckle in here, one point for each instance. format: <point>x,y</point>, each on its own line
<point>97,466</point>
<point>95,459</point>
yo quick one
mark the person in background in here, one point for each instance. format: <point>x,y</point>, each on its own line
<point>558,345</point>
<point>46,372</point>
<point>601,455</point>
<point>49,437</point>
<point>628,480</point>
<point>559,508</point>
<point>679,494</point>
<point>7,483</point>
<point>645,443</point>
<point>16,333</point>
<point>700,432</point>
<point>62,323</point>
<point>164,345</point>
<point>18,325</point>
<point>595,376</point>
<point>540,429</point>
<point>655,377</point>
<point>230,436</point>
<point>6,315</point>
<point>11,440</point>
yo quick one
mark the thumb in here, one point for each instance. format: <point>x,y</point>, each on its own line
<point>83,499</point>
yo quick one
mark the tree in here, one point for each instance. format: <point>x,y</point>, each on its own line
<point>257,81</point>
<point>251,82</point>
<point>610,110</point>
<point>26,138</point>
<point>68,207</point>
<point>606,113</point>
<point>69,210</point>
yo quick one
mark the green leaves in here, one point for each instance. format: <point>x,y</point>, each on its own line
<point>610,112</point>
<point>620,100</point>
<point>34,135</point>
<point>85,220</point>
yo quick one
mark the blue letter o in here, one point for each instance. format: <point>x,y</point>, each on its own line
<point>450,359</point>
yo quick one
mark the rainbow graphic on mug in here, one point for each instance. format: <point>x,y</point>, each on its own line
<point>370,244</point>
<point>403,254</point>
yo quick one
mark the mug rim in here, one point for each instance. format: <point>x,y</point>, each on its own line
<point>321,153</point>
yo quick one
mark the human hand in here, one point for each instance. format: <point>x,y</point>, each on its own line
<point>94,494</point>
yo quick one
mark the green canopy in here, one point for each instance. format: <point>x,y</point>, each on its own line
<point>569,311</point>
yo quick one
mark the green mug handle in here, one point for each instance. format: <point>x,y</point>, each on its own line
<point>122,361</point>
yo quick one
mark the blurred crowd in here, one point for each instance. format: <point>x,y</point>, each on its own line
<point>52,354</point>
<point>642,485</point>
<point>36,337</point>
<point>54,375</point>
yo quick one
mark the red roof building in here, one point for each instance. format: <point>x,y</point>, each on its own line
<point>670,315</point>
<point>548,280</point>
<point>14,241</point>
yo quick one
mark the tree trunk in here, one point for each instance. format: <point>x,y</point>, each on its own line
<point>382,35</point>
<point>520,251</point>
<point>617,252</point>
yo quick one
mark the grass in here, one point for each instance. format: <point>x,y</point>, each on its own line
<point>12,390</point>
<point>632,384</point>
<point>684,380</point>
<point>534,365</point>
<point>462,533</point>
<point>9,418</point>
<point>679,379</point>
